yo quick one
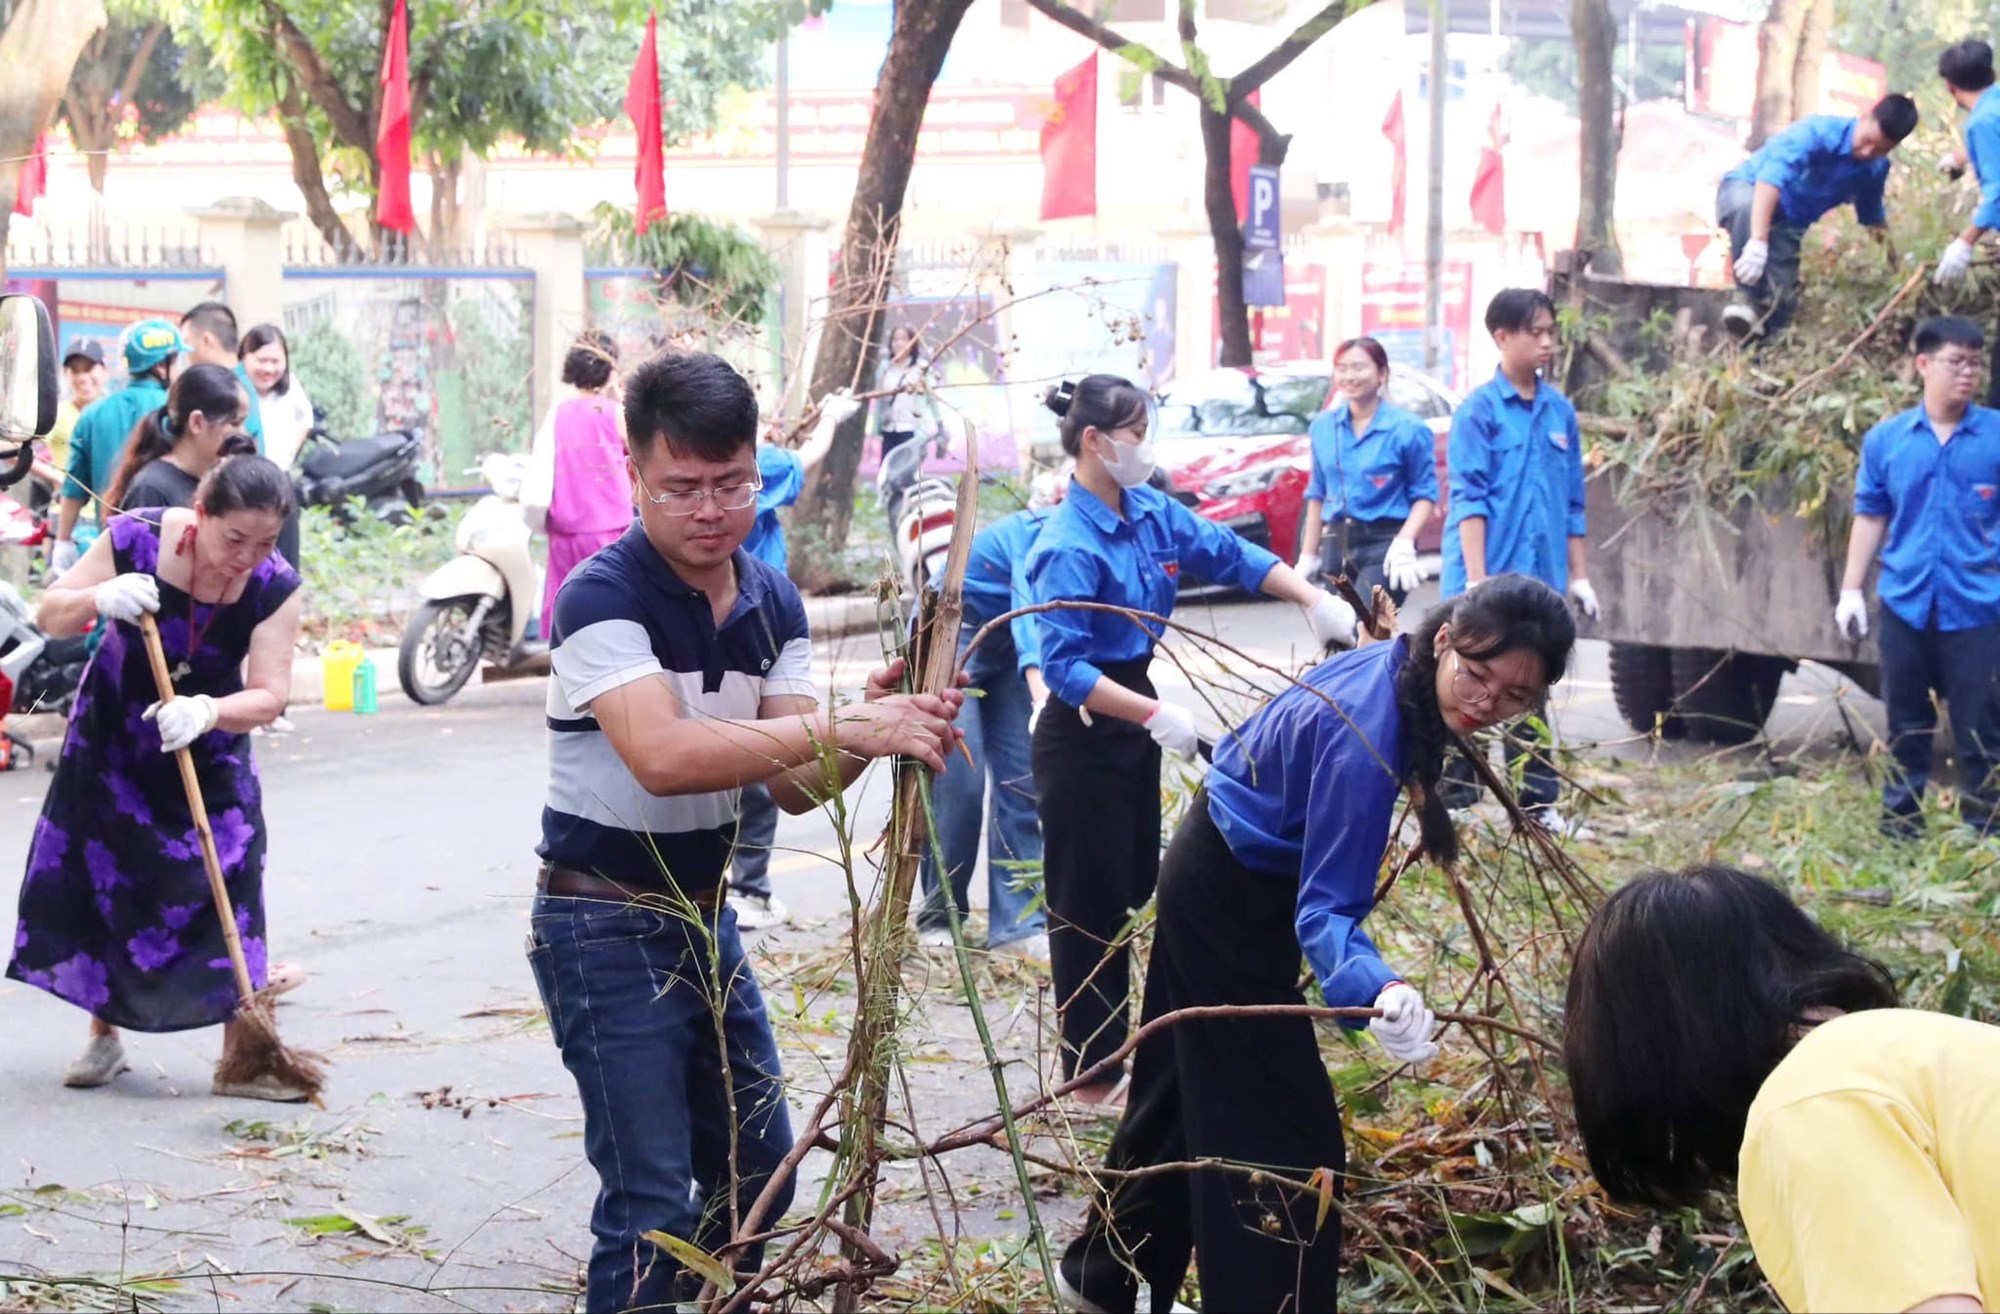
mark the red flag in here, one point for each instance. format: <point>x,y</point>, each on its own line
<point>392,131</point>
<point>1069,146</point>
<point>1242,154</point>
<point>1392,128</point>
<point>642,106</point>
<point>1489,184</point>
<point>34,177</point>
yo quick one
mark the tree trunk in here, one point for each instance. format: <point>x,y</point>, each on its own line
<point>1813,34</point>
<point>1218,201</point>
<point>922,34</point>
<point>307,174</point>
<point>1596,40</point>
<point>1777,63</point>
<point>38,50</point>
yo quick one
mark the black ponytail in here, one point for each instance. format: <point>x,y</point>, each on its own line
<point>210,389</point>
<point>1502,614</point>
<point>1097,401</point>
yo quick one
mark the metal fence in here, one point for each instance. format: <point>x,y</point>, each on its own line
<point>101,247</point>
<point>308,248</point>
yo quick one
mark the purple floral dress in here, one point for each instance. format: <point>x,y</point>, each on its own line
<point>116,915</point>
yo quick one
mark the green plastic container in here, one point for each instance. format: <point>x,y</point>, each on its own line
<point>364,687</point>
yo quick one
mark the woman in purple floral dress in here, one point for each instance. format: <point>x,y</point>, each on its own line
<point>116,915</point>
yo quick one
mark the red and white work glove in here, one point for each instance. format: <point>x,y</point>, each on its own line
<point>1172,728</point>
<point>182,720</point>
<point>1405,1027</point>
<point>127,597</point>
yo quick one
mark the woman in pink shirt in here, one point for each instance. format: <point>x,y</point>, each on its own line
<point>590,493</point>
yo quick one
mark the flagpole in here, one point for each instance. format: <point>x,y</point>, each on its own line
<point>1434,211</point>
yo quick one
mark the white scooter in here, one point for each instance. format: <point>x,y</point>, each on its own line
<point>921,509</point>
<point>478,605</point>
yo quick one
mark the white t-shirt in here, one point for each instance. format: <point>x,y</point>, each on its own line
<point>286,417</point>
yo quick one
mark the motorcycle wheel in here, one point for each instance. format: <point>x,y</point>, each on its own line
<point>435,658</point>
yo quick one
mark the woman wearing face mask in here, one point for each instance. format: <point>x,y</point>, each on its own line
<point>1374,480</point>
<point>1098,740</point>
<point>115,914</point>
<point>173,446</point>
<point>1279,857</point>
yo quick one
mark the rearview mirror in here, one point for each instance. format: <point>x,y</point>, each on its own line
<point>27,383</point>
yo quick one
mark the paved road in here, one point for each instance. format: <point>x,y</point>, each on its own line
<point>401,861</point>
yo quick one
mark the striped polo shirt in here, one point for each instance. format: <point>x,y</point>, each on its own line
<point>624,615</point>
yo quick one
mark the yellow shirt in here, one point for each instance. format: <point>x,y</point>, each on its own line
<point>58,439</point>
<point>1870,1171</point>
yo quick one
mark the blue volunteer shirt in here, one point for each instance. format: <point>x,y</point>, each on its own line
<point>1982,146</point>
<point>1376,475</point>
<point>1088,553</point>
<point>253,422</point>
<point>1941,555</point>
<point>1308,790</point>
<point>784,477</point>
<point>622,616</point>
<point>1813,167</point>
<point>996,579</point>
<point>1519,464</point>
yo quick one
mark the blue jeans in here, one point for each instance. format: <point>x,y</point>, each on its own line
<point>632,1000</point>
<point>996,731</point>
<point>1962,667</point>
<point>756,828</point>
<point>1776,294</point>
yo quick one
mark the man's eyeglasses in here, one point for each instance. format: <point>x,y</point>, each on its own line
<point>1960,364</point>
<point>1476,689</point>
<point>687,501</point>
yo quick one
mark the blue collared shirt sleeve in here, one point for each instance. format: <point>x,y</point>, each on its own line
<point>1352,796</point>
<point>1468,458</point>
<point>1217,553</point>
<point>783,474</point>
<point>1782,156</point>
<point>1066,576</point>
<point>1420,469</point>
<point>1868,208</point>
<point>1982,144</point>
<point>1578,522</point>
<point>1871,479</point>
<point>1320,431</point>
<point>1027,635</point>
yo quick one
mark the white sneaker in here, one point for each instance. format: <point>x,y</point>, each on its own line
<point>1739,317</point>
<point>1560,826</point>
<point>937,937</point>
<point>1032,948</point>
<point>757,912</point>
<point>102,1059</point>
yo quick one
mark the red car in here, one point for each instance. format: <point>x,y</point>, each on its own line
<point>1234,442</point>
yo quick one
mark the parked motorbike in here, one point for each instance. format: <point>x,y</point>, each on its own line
<point>479,604</point>
<point>381,471</point>
<point>37,673</point>
<point>921,510</point>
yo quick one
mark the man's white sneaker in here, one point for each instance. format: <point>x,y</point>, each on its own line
<point>757,912</point>
<point>1033,948</point>
<point>1740,318</point>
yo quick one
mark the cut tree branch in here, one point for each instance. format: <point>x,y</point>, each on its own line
<point>307,174</point>
<point>1279,57</point>
<point>349,124</point>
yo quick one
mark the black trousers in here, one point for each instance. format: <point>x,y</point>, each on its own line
<point>1098,797</point>
<point>1355,548</point>
<point>1963,668</point>
<point>1540,785</point>
<point>1243,1091</point>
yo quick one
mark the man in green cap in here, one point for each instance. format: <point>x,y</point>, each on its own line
<point>98,441</point>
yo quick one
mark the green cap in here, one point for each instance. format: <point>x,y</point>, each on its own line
<point>149,342</point>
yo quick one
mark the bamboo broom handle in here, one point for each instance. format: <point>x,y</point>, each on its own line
<point>157,655</point>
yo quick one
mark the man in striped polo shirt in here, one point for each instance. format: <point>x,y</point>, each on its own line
<point>682,672</point>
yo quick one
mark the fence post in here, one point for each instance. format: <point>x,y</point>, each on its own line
<point>551,245</point>
<point>245,235</point>
<point>802,245</point>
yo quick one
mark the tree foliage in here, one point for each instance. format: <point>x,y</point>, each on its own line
<point>135,83</point>
<point>716,270</point>
<point>40,41</point>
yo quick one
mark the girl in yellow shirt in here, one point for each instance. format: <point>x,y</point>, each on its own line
<point>1716,1034</point>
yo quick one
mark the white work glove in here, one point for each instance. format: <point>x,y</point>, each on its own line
<point>1399,563</point>
<point>1586,598</point>
<point>1332,621</point>
<point>1172,728</point>
<point>183,720</point>
<point>837,407</point>
<point>1955,261</point>
<point>127,597</point>
<point>1308,564</point>
<point>1035,716</point>
<point>1750,265</point>
<point>1404,1029</point>
<point>63,555</point>
<point>1850,614</point>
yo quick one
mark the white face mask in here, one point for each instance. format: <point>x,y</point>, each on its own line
<point>1130,464</point>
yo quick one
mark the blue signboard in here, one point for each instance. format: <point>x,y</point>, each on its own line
<point>1260,229</point>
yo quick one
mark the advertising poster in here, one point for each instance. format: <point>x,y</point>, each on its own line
<point>1392,312</point>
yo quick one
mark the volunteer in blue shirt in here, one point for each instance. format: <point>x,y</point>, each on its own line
<point>1967,70</point>
<point>1097,742</point>
<point>1373,484</point>
<point>1515,460</point>
<point>783,471</point>
<point>1277,858</point>
<point>1005,685</point>
<point>1768,201</point>
<point>97,444</point>
<point>1927,498</point>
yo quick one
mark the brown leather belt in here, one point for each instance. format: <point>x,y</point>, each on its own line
<point>569,883</point>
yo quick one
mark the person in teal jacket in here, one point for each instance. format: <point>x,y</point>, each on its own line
<point>101,432</point>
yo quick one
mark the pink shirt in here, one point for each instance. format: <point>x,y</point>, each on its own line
<point>592,491</point>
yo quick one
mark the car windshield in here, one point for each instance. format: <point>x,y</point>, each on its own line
<point>1232,404</point>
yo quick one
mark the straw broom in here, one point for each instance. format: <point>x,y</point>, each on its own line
<point>252,1051</point>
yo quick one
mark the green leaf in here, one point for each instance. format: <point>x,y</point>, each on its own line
<point>695,1258</point>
